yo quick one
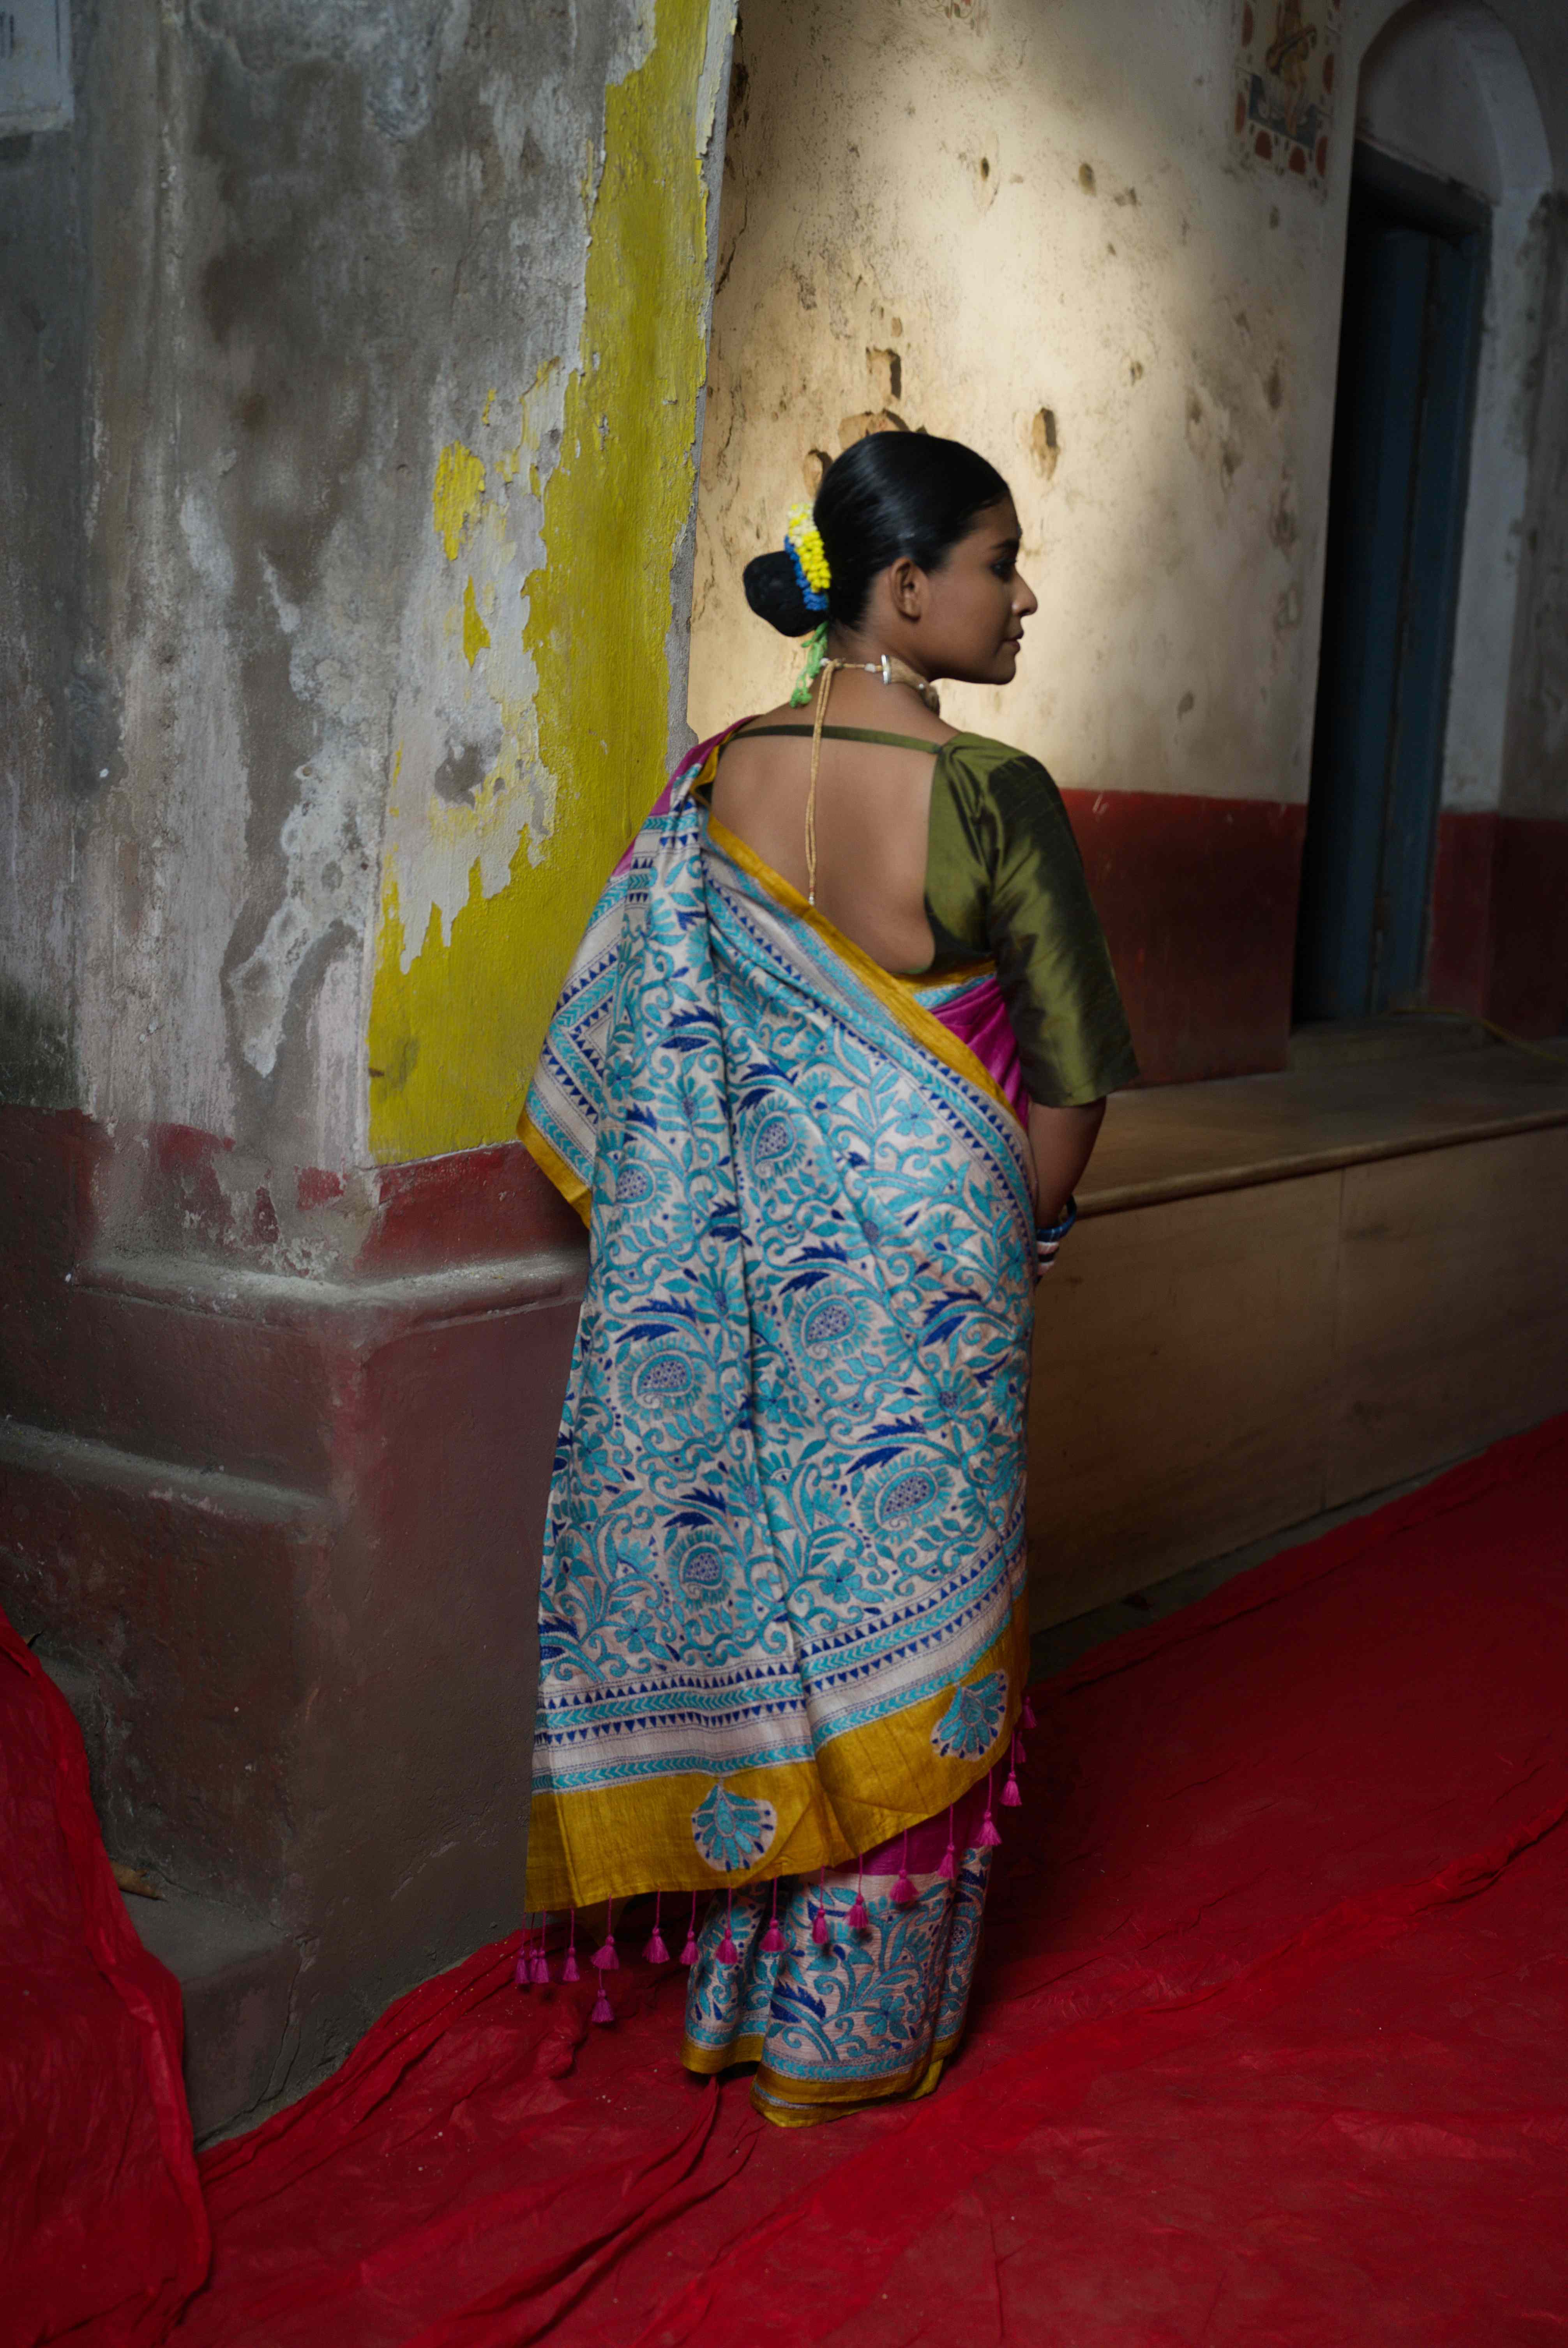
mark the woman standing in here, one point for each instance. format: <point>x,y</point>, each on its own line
<point>832,1055</point>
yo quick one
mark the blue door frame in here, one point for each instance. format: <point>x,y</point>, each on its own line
<point>1410,338</point>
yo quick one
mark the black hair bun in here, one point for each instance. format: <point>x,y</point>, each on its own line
<point>775,595</point>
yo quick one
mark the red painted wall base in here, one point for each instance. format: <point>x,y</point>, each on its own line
<point>274,1450</point>
<point>1198,898</point>
<point>1500,921</point>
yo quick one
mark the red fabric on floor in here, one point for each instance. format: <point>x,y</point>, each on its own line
<point>1268,2046</point>
<point>101,2218</point>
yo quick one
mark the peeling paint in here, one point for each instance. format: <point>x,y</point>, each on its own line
<point>483,901</point>
<point>475,634</point>
<point>458,489</point>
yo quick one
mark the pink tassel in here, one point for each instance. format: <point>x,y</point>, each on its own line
<point>523,1971</point>
<point>539,1971</point>
<point>859,1920</point>
<point>819,1931</point>
<point>569,1971</point>
<point>602,2009</point>
<point>728,1952</point>
<point>689,1954</point>
<point>904,1892</point>
<point>773,1939</point>
<point>948,1869</point>
<point>1011,1799</point>
<point>987,1837</point>
<point>656,1952</point>
<point>605,1957</point>
<point>1027,1715</point>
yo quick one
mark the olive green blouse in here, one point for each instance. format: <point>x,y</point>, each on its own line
<point>1004,880</point>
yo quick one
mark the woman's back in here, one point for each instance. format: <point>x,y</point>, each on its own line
<point>783,1616</point>
<point>873,813</point>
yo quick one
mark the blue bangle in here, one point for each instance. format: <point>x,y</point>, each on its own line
<point>1059,1231</point>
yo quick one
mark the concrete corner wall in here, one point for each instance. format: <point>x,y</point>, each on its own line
<point>346,521</point>
<point>354,362</point>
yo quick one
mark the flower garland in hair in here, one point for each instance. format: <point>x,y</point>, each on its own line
<point>802,542</point>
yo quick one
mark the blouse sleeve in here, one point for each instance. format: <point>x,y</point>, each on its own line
<point>1004,877</point>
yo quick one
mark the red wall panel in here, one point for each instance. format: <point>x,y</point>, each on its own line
<point>1198,898</point>
<point>1500,921</point>
<point>1460,938</point>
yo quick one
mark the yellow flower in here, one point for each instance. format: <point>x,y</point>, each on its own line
<point>805,539</point>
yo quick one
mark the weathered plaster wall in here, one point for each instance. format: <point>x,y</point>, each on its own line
<point>1445,89</point>
<point>42,785</point>
<point>1038,220</point>
<point>386,326</point>
<point>1031,229</point>
<point>1535,778</point>
<point>1420,94</point>
<point>355,354</point>
<point>544,639</point>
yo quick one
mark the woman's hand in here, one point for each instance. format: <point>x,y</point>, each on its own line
<point>1062,1141</point>
<point>1048,1237</point>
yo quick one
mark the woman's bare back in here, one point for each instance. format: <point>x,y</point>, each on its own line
<point>872,815</point>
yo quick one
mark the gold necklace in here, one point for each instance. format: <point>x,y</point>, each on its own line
<point>892,671</point>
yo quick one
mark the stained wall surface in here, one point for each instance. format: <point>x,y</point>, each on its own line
<point>1039,231</point>
<point>346,511</point>
<point>354,355</point>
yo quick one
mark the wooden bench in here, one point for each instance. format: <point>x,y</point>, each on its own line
<point>1286,1291</point>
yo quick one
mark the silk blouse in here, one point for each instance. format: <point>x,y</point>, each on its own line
<point>1005,883</point>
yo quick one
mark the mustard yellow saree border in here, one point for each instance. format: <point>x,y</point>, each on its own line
<point>859,1789</point>
<point>549,1161</point>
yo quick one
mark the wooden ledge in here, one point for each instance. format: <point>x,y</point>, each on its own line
<point>1181,1141</point>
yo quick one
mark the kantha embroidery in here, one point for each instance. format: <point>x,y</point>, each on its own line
<point>971,1722</point>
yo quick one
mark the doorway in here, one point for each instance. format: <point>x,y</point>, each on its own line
<point>1414,272</point>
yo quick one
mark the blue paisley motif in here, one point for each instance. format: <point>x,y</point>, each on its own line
<point>969,1727</point>
<point>787,1498</point>
<point>730,1831</point>
<point>774,1139</point>
<point>827,1323</point>
<point>703,1572</point>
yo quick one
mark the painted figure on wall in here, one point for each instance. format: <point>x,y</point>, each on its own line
<point>1286,58</point>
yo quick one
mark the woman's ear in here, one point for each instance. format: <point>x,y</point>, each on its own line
<point>906,586</point>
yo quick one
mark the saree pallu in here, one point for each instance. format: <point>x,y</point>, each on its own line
<point>781,1614</point>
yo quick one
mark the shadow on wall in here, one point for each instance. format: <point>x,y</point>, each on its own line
<point>1047,236</point>
<point>37,1060</point>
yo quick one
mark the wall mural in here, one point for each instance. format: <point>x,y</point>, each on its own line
<point>1287,55</point>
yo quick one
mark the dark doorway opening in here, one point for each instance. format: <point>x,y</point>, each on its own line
<point>1415,268</point>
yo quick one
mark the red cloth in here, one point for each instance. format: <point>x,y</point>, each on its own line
<point>1268,2047</point>
<point>100,2213</point>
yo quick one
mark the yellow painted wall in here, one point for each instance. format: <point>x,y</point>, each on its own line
<point>458,1013</point>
